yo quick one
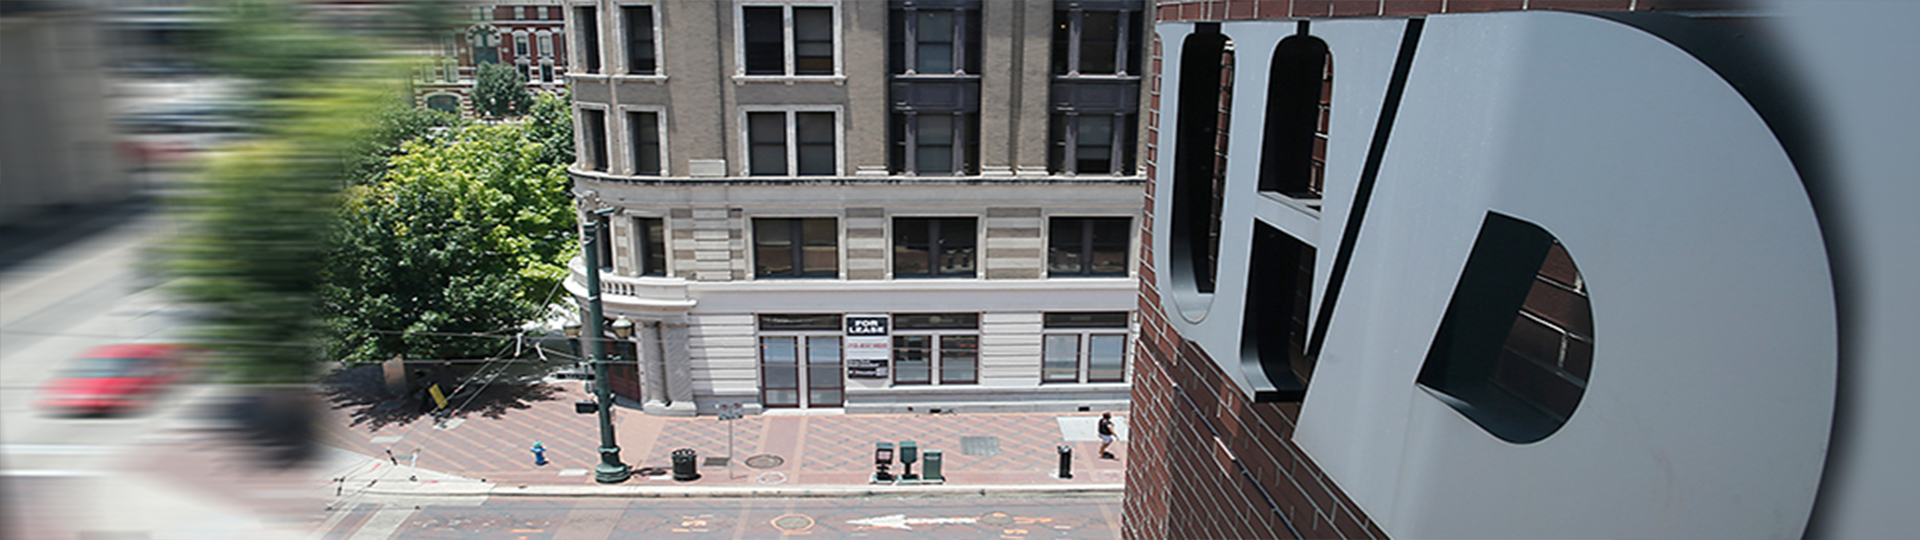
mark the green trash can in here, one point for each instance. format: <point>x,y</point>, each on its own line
<point>931,471</point>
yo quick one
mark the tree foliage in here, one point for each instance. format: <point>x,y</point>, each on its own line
<point>263,41</point>
<point>551,124</point>
<point>468,235</point>
<point>500,92</point>
<point>394,124</point>
<point>256,225</point>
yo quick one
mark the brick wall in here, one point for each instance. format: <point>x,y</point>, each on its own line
<point>1204,462</point>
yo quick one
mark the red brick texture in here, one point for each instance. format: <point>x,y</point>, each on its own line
<point>1206,463</point>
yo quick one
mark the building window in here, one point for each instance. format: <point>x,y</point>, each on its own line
<point>946,343</point>
<point>934,53</point>
<point>650,246</point>
<point>519,13</point>
<point>1096,88</point>
<point>1088,247</point>
<point>933,247</point>
<point>520,45</point>
<point>771,47</point>
<point>796,247</point>
<point>587,29</point>
<point>640,50</point>
<point>643,133</point>
<point>1293,149</point>
<point>546,44</point>
<point>1092,143</point>
<point>792,143</point>
<point>1515,348</point>
<point>1096,42</point>
<point>936,143</point>
<point>546,71</point>
<point>1084,347</point>
<point>593,123</point>
<point>802,367</point>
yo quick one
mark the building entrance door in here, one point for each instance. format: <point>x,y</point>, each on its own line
<point>801,372</point>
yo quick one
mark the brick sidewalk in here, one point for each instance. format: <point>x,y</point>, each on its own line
<point>813,449</point>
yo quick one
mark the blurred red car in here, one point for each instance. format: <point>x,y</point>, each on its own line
<point>114,379</point>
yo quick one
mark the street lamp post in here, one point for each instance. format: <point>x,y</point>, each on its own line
<point>610,470</point>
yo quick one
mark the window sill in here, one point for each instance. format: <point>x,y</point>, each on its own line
<point>837,80</point>
<point>631,78</point>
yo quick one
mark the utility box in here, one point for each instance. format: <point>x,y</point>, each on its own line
<point>930,470</point>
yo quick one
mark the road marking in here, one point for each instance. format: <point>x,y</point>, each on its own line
<point>901,521</point>
<point>48,473</point>
<point>58,449</point>
<point>384,523</point>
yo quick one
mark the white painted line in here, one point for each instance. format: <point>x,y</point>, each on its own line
<point>49,473</point>
<point>58,449</point>
<point>384,523</point>
<point>573,472</point>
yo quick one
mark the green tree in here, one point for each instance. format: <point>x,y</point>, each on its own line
<point>551,124</point>
<point>500,92</point>
<point>396,123</point>
<point>264,42</point>
<point>257,221</point>
<point>467,236</point>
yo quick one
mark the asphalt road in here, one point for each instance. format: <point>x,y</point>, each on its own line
<point>958,518</point>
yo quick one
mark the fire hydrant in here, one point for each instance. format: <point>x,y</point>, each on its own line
<point>539,453</point>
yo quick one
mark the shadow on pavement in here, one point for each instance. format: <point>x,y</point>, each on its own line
<point>490,390</point>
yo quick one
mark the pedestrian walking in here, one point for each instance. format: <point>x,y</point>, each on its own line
<point>539,453</point>
<point>1106,435</point>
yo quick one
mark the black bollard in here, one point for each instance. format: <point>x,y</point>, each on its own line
<point>1066,462</point>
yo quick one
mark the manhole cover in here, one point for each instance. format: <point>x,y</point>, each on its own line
<point>980,446</point>
<point>716,462</point>
<point>771,478</point>
<point>765,461</point>
<point>793,522</point>
<point>996,519</point>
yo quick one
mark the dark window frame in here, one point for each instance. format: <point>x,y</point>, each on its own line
<point>796,244</point>
<point>794,142</point>
<point>650,251</point>
<point>644,142</point>
<point>757,41</point>
<point>948,93</point>
<point>595,155</point>
<point>642,51</point>
<point>947,337</point>
<point>1081,233</point>
<point>937,244</point>
<point>587,23</point>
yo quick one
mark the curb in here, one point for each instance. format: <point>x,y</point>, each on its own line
<point>464,489</point>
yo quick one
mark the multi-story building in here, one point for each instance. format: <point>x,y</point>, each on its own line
<point>1465,269</point>
<point>529,35</point>
<point>925,205</point>
<point>56,147</point>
